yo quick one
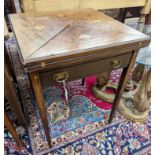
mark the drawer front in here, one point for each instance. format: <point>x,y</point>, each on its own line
<point>80,71</point>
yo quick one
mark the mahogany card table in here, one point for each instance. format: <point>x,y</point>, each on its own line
<point>68,45</point>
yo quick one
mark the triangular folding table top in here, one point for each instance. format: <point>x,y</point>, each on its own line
<point>33,33</point>
<point>43,35</point>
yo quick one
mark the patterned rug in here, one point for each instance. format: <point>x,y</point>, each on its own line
<point>86,130</point>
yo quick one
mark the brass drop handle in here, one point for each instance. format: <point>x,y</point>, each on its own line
<point>60,77</point>
<point>116,63</point>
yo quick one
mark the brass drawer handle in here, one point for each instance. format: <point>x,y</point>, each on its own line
<point>116,63</point>
<point>60,77</point>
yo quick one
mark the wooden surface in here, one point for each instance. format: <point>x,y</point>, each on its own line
<point>9,65</point>
<point>5,29</point>
<point>11,97</point>
<point>9,125</point>
<point>6,32</point>
<point>63,35</point>
<point>84,70</point>
<point>35,80</point>
<point>122,83</point>
<point>57,5</point>
<point>147,7</point>
<point>148,19</point>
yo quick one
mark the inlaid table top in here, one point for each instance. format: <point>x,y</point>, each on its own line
<point>69,34</point>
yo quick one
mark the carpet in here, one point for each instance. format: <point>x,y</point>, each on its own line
<point>86,131</point>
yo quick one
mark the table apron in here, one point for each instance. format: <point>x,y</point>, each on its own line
<point>85,69</point>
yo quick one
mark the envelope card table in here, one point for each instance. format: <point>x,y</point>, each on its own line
<point>68,45</point>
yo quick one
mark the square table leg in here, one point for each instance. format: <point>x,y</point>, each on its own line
<point>124,78</point>
<point>36,84</point>
<point>11,96</point>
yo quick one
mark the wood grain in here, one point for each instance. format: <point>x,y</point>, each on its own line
<point>85,69</point>
<point>57,5</point>
<point>147,7</point>
<point>35,80</point>
<point>122,83</point>
<point>89,32</point>
<point>11,97</point>
<point>6,32</point>
<point>112,4</point>
<point>27,5</point>
<point>73,58</point>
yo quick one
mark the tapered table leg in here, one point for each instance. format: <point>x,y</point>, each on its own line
<point>121,86</point>
<point>36,84</point>
<point>11,96</point>
<point>9,125</point>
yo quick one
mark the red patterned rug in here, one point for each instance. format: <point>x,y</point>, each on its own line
<point>86,130</point>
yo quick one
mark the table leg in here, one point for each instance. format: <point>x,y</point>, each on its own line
<point>144,12</point>
<point>121,86</point>
<point>9,125</point>
<point>83,81</point>
<point>8,63</point>
<point>36,84</point>
<point>11,96</point>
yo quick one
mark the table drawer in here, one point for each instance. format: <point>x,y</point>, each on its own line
<point>85,69</point>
